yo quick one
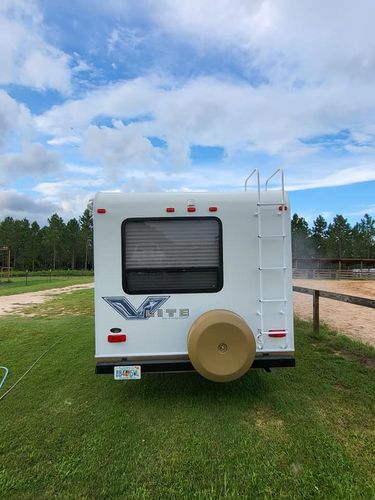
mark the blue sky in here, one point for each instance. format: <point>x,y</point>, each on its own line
<point>186,96</point>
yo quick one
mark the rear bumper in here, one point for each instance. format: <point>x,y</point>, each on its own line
<point>183,365</point>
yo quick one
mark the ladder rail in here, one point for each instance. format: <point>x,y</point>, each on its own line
<point>282,182</point>
<point>257,179</point>
<point>261,215</point>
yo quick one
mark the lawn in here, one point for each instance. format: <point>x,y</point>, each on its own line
<point>35,283</point>
<point>68,433</point>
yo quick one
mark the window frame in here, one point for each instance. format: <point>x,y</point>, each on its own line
<point>219,269</point>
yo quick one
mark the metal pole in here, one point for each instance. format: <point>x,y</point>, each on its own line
<point>8,265</point>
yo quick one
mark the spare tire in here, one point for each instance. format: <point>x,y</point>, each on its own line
<point>221,345</point>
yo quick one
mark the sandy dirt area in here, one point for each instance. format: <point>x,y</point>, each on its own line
<point>12,303</point>
<point>355,321</point>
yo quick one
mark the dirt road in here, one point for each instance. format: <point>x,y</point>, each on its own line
<point>355,321</point>
<point>11,303</point>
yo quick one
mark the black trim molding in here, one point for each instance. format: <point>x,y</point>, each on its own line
<point>159,366</point>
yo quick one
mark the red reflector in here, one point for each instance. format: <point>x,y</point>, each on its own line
<point>117,338</point>
<point>169,209</point>
<point>101,211</point>
<point>212,209</point>
<point>191,209</point>
<point>277,333</point>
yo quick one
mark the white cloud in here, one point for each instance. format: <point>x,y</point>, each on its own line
<point>120,146</point>
<point>53,189</point>
<point>269,119</point>
<point>144,184</point>
<point>71,196</point>
<point>35,160</point>
<point>287,40</point>
<point>88,170</point>
<point>62,141</point>
<point>26,57</point>
<point>315,66</point>
<point>20,205</point>
<point>122,38</point>
<point>15,119</point>
<point>341,177</point>
<point>118,100</point>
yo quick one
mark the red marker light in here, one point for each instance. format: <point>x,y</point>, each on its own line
<point>101,211</point>
<point>212,209</point>
<point>169,209</point>
<point>117,338</point>
<point>191,209</point>
<point>276,333</point>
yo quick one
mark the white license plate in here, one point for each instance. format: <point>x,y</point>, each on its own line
<point>127,372</point>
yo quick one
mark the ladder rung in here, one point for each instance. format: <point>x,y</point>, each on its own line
<point>273,236</point>
<point>273,300</point>
<point>271,268</point>
<point>280,204</point>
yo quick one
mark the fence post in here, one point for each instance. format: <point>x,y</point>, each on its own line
<point>27,273</point>
<point>316,311</point>
<point>50,274</point>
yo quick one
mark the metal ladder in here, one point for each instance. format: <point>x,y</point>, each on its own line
<point>261,214</point>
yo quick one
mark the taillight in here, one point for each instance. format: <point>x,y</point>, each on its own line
<point>117,338</point>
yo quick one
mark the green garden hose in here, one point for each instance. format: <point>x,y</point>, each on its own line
<point>27,371</point>
<point>5,375</point>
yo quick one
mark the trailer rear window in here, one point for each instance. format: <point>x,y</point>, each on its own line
<point>174,255</point>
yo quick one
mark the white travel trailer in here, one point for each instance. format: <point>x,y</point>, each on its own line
<point>193,281</point>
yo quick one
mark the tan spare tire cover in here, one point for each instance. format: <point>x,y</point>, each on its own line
<point>221,345</point>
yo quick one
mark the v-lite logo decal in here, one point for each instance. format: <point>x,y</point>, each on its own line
<point>145,311</point>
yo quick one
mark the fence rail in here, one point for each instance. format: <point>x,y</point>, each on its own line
<point>349,299</point>
<point>334,274</point>
<point>26,277</point>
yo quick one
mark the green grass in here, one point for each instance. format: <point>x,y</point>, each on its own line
<point>68,433</point>
<point>35,283</point>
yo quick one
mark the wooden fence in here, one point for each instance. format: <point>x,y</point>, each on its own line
<point>350,299</point>
<point>334,274</point>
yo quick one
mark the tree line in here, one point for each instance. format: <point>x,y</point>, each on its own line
<point>60,245</point>
<point>57,245</point>
<point>336,240</point>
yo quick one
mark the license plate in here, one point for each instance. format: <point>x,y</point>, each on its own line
<point>127,372</point>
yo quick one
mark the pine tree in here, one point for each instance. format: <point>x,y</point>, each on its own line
<point>35,240</point>
<point>319,236</point>
<point>86,224</point>
<point>339,239</point>
<point>301,245</point>
<point>55,236</point>
<point>72,240</point>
